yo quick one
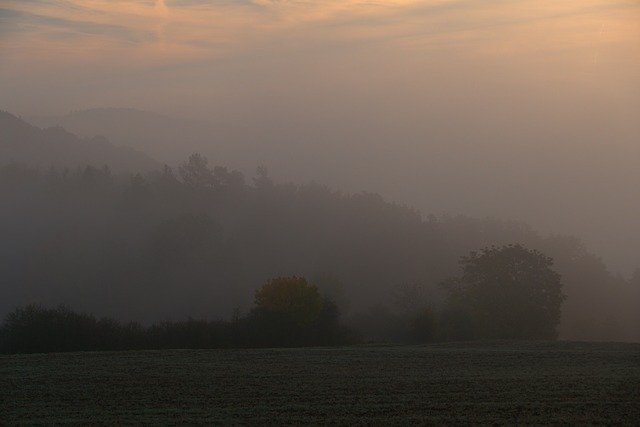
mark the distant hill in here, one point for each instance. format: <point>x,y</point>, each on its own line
<point>558,184</point>
<point>168,139</point>
<point>21,142</point>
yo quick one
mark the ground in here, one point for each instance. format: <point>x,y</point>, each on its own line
<point>453,383</point>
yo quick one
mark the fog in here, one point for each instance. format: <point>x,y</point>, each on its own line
<point>518,111</point>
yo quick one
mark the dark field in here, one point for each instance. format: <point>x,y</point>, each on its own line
<point>478,383</point>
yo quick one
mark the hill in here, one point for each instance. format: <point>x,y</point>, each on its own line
<point>21,142</point>
<point>163,137</point>
<point>538,178</point>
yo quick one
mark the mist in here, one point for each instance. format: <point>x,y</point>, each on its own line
<point>496,112</point>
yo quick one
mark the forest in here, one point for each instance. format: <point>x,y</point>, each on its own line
<point>198,241</point>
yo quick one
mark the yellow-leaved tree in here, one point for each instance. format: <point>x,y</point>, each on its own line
<point>292,297</point>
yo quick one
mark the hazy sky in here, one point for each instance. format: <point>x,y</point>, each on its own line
<point>496,107</point>
<point>199,57</point>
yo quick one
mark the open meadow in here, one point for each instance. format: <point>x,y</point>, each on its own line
<point>532,382</point>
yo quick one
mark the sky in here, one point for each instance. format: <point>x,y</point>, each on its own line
<point>194,56</point>
<point>525,109</point>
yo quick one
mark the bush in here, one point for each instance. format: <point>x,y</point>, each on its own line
<point>290,312</point>
<point>35,329</point>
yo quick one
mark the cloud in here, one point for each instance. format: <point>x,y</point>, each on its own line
<point>212,41</point>
<point>233,26</point>
<point>27,21</point>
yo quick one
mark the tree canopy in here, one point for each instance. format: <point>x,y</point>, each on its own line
<point>507,292</point>
<point>290,296</point>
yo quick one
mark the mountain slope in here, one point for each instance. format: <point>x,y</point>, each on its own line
<point>168,139</point>
<point>21,142</point>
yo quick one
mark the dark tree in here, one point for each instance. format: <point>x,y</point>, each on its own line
<point>195,172</point>
<point>292,297</point>
<point>222,177</point>
<point>508,292</point>
<point>290,311</point>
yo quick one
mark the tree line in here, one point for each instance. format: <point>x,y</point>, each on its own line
<point>196,240</point>
<point>288,312</point>
<point>502,293</point>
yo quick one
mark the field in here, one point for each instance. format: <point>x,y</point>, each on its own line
<point>453,383</point>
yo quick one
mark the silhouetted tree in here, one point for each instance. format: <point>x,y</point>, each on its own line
<point>292,297</point>
<point>195,172</point>
<point>291,312</point>
<point>262,180</point>
<point>508,292</point>
<point>36,329</point>
<point>222,177</point>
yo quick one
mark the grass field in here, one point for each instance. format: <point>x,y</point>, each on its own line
<point>478,383</point>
